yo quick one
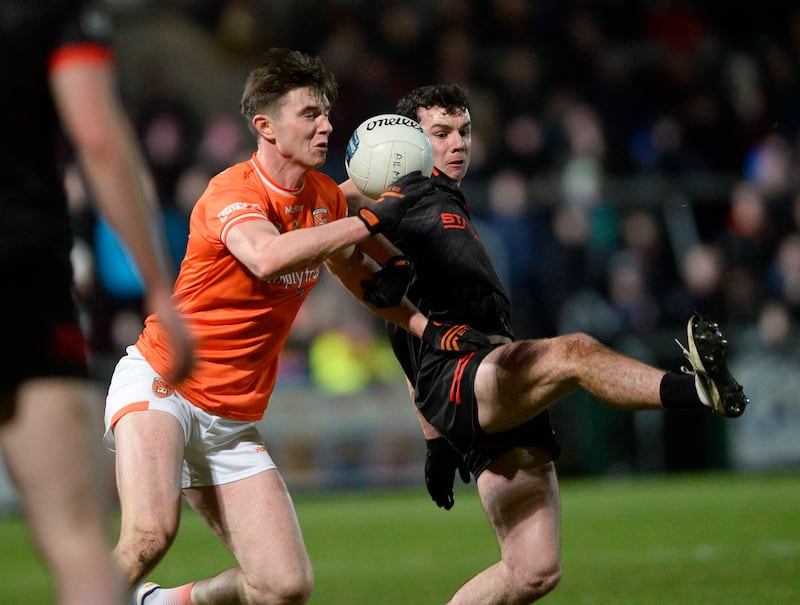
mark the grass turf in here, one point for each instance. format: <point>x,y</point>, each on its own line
<point>689,539</point>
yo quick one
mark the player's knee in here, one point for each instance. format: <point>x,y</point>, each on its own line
<point>560,352</point>
<point>577,347</point>
<point>141,546</point>
<point>286,589</point>
<point>537,583</point>
<point>137,553</point>
<point>156,531</point>
<point>580,343</point>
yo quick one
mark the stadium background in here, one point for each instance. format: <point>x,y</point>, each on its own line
<point>633,161</point>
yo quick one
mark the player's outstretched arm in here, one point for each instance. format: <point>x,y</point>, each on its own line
<point>383,216</point>
<point>388,286</point>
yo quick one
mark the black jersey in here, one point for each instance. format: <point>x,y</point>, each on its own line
<point>32,197</point>
<point>35,235</point>
<point>454,280</point>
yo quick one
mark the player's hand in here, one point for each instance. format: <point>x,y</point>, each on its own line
<point>454,338</point>
<point>180,341</point>
<point>441,464</point>
<point>394,201</point>
<point>388,286</point>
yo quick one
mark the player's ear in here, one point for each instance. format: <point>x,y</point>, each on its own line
<point>264,126</point>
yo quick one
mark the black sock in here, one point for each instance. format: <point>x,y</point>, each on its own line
<point>679,393</point>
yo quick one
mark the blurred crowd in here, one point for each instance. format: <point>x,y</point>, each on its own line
<point>632,161</point>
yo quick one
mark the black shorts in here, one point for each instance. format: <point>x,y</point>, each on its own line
<point>445,395</point>
<point>41,325</point>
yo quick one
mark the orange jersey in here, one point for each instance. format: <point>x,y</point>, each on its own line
<point>240,323</point>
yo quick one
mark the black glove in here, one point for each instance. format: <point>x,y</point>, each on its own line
<point>388,286</point>
<point>392,204</point>
<point>454,338</point>
<point>441,464</point>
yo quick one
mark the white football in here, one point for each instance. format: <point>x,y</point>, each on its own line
<point>384,148</point>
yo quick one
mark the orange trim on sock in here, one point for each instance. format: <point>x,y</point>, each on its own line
<point>184,594</point>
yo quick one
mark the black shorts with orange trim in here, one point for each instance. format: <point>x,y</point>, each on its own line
<point>445,395</point>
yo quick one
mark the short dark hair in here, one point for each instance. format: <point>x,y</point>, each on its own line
<point>281,71</point>
<point>453,98</point>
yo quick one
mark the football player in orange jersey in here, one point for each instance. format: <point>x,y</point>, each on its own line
<point>258,236</point>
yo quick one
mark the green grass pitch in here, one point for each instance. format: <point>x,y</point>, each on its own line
<point>676,540</point>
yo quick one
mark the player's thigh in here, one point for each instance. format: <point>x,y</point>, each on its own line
<point>520,495</point>
<point>48,448</point>
<point>256,520</point>
<point>517,381</point>
<point>149,457</point>
<point>50,432</point>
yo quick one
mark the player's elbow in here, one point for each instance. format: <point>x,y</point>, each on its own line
<point>263,272</point>
<point>265,262</point>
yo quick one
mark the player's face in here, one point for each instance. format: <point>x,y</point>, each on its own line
<point>302,128</point>
<point>451,139</point>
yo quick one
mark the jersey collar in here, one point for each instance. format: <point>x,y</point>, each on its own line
<point>269,183</point>
<point>442,181</point>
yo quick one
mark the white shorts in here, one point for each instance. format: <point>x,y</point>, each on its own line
<point>217,450</point>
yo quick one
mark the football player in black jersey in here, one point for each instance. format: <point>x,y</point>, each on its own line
<point>57,73</point>
<point>484,411</point>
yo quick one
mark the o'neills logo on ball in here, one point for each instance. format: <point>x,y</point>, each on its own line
<point>392,121</point>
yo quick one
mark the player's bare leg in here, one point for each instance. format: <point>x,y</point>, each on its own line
<point>149,456</point>
<point>266,541</point>
<point>49,450</point>
<point>519,380</point>
<point>519,493</point>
